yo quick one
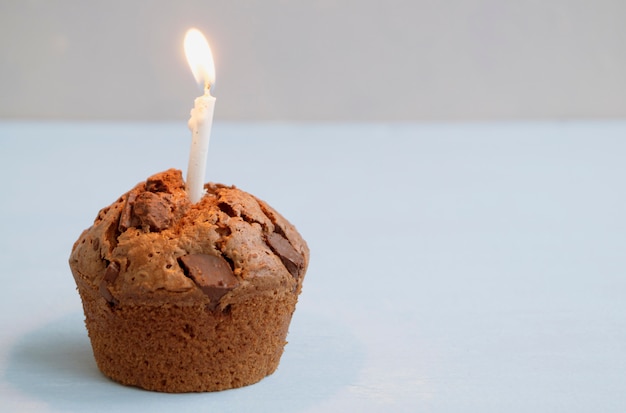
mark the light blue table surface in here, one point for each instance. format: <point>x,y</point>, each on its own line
<point>455,267</point>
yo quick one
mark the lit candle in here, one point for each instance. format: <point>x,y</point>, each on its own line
<point>200,60</point>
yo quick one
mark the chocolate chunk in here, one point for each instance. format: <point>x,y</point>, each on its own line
<point>126,215</point>
<point>211,273</point>
<point>279,230</point>
<point>110,275</point>
<point>153,211</point>
<point>293,261</point>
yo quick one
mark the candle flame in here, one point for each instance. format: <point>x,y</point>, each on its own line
<point>200,58</point>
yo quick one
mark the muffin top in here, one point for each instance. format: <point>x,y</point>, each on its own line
<point>152,246</point>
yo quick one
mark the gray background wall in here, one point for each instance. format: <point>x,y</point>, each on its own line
<point>316,60</point>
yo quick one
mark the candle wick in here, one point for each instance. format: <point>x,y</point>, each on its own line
<point>207,88</point>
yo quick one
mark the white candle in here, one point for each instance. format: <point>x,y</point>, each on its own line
<point>200,124</point>
<point>201,62</point>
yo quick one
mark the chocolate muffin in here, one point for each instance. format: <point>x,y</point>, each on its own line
<point>182,297</point>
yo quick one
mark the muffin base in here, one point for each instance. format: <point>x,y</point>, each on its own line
<point>188,348</point>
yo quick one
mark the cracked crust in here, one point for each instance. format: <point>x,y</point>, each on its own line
<point>227,222</point>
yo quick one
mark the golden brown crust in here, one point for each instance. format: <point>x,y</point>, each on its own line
<point>226,222</point>
<point>173,348</point>
<point>150,324</point>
